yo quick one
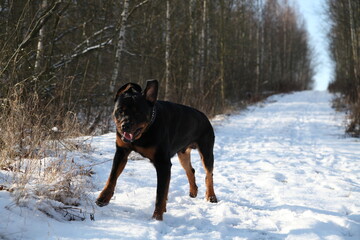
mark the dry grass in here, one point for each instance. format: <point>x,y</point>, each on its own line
<point>36,153</point>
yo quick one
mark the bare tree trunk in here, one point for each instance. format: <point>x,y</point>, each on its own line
<point>260,46</point>
<point>202,47</point>
<point>191,79</point>
<point>354,44</point>
<point>222,54</point>
<point>120,46</point>
<point>40,45</point>
<point>167,52</point>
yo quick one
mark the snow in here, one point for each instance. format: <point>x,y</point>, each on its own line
<point>283,170</point>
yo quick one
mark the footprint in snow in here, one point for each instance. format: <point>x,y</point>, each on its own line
<point>280,177</point>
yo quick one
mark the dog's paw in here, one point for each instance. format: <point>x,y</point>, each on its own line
<point>212,199</point>
<point>192,195</point>
<point>104,198</point>
<point>157,216</point>
<point>101,203</point>
<point>193,192</point>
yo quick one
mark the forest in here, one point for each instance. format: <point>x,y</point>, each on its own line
<point>345,48</point>
<point>62,60</point>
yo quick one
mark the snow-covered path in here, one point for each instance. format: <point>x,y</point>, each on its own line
<point>283,170</point>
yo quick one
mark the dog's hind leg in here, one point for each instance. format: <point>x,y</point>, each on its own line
<point>184,157</point>
<point>205,147</point>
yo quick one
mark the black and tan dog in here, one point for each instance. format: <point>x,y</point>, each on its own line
<point>158,130</point>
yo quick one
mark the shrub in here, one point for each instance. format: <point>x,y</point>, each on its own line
<point>353,127</point>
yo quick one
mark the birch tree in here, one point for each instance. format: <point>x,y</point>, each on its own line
<point>260,47</point>
<point>191,78</point>
<point>120,46</point>
<point>167,52</point>
<point>202,48</point>
<point>40,44</point>
<point>222,52</point>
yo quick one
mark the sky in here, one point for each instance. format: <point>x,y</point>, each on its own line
<point>313,13</point>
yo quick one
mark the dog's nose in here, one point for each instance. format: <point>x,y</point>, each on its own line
<point>125,127</point>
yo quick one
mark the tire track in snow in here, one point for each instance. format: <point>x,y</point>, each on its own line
<point>288,157</point>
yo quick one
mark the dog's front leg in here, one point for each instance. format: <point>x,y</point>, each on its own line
<point>119,162</point>
<point>163,171</point>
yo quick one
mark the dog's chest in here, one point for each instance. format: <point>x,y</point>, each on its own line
<point>148,152</point>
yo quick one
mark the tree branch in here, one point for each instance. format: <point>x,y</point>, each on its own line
<point>136,7</point>
<point>80,53</point>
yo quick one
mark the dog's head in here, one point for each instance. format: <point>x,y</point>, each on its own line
<point>134,109</point>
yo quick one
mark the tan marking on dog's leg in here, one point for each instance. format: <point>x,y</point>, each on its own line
<point>210,193</point>
<point>119,162</point>
<point>185,161</point>
<point>163,172</point>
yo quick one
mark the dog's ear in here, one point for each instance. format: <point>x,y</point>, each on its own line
<point>151,90</point>
<point>133,87</point>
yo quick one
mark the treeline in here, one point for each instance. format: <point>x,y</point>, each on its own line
<point>345,47</point>
<point>208,53</point>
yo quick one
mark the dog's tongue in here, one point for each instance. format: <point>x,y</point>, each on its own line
<point>128,136</point>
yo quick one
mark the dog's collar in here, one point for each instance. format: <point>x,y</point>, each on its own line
<point>152,119</point>
<point>153,116</point>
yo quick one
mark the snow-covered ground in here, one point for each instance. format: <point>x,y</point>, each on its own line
<point>283,170</point>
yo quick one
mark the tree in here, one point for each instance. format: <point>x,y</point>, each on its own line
<point>167,52</point>
<point>120,46</point>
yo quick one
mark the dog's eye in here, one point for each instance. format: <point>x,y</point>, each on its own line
<point>118,113</point>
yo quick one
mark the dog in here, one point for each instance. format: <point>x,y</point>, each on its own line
<point>158,130</point>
